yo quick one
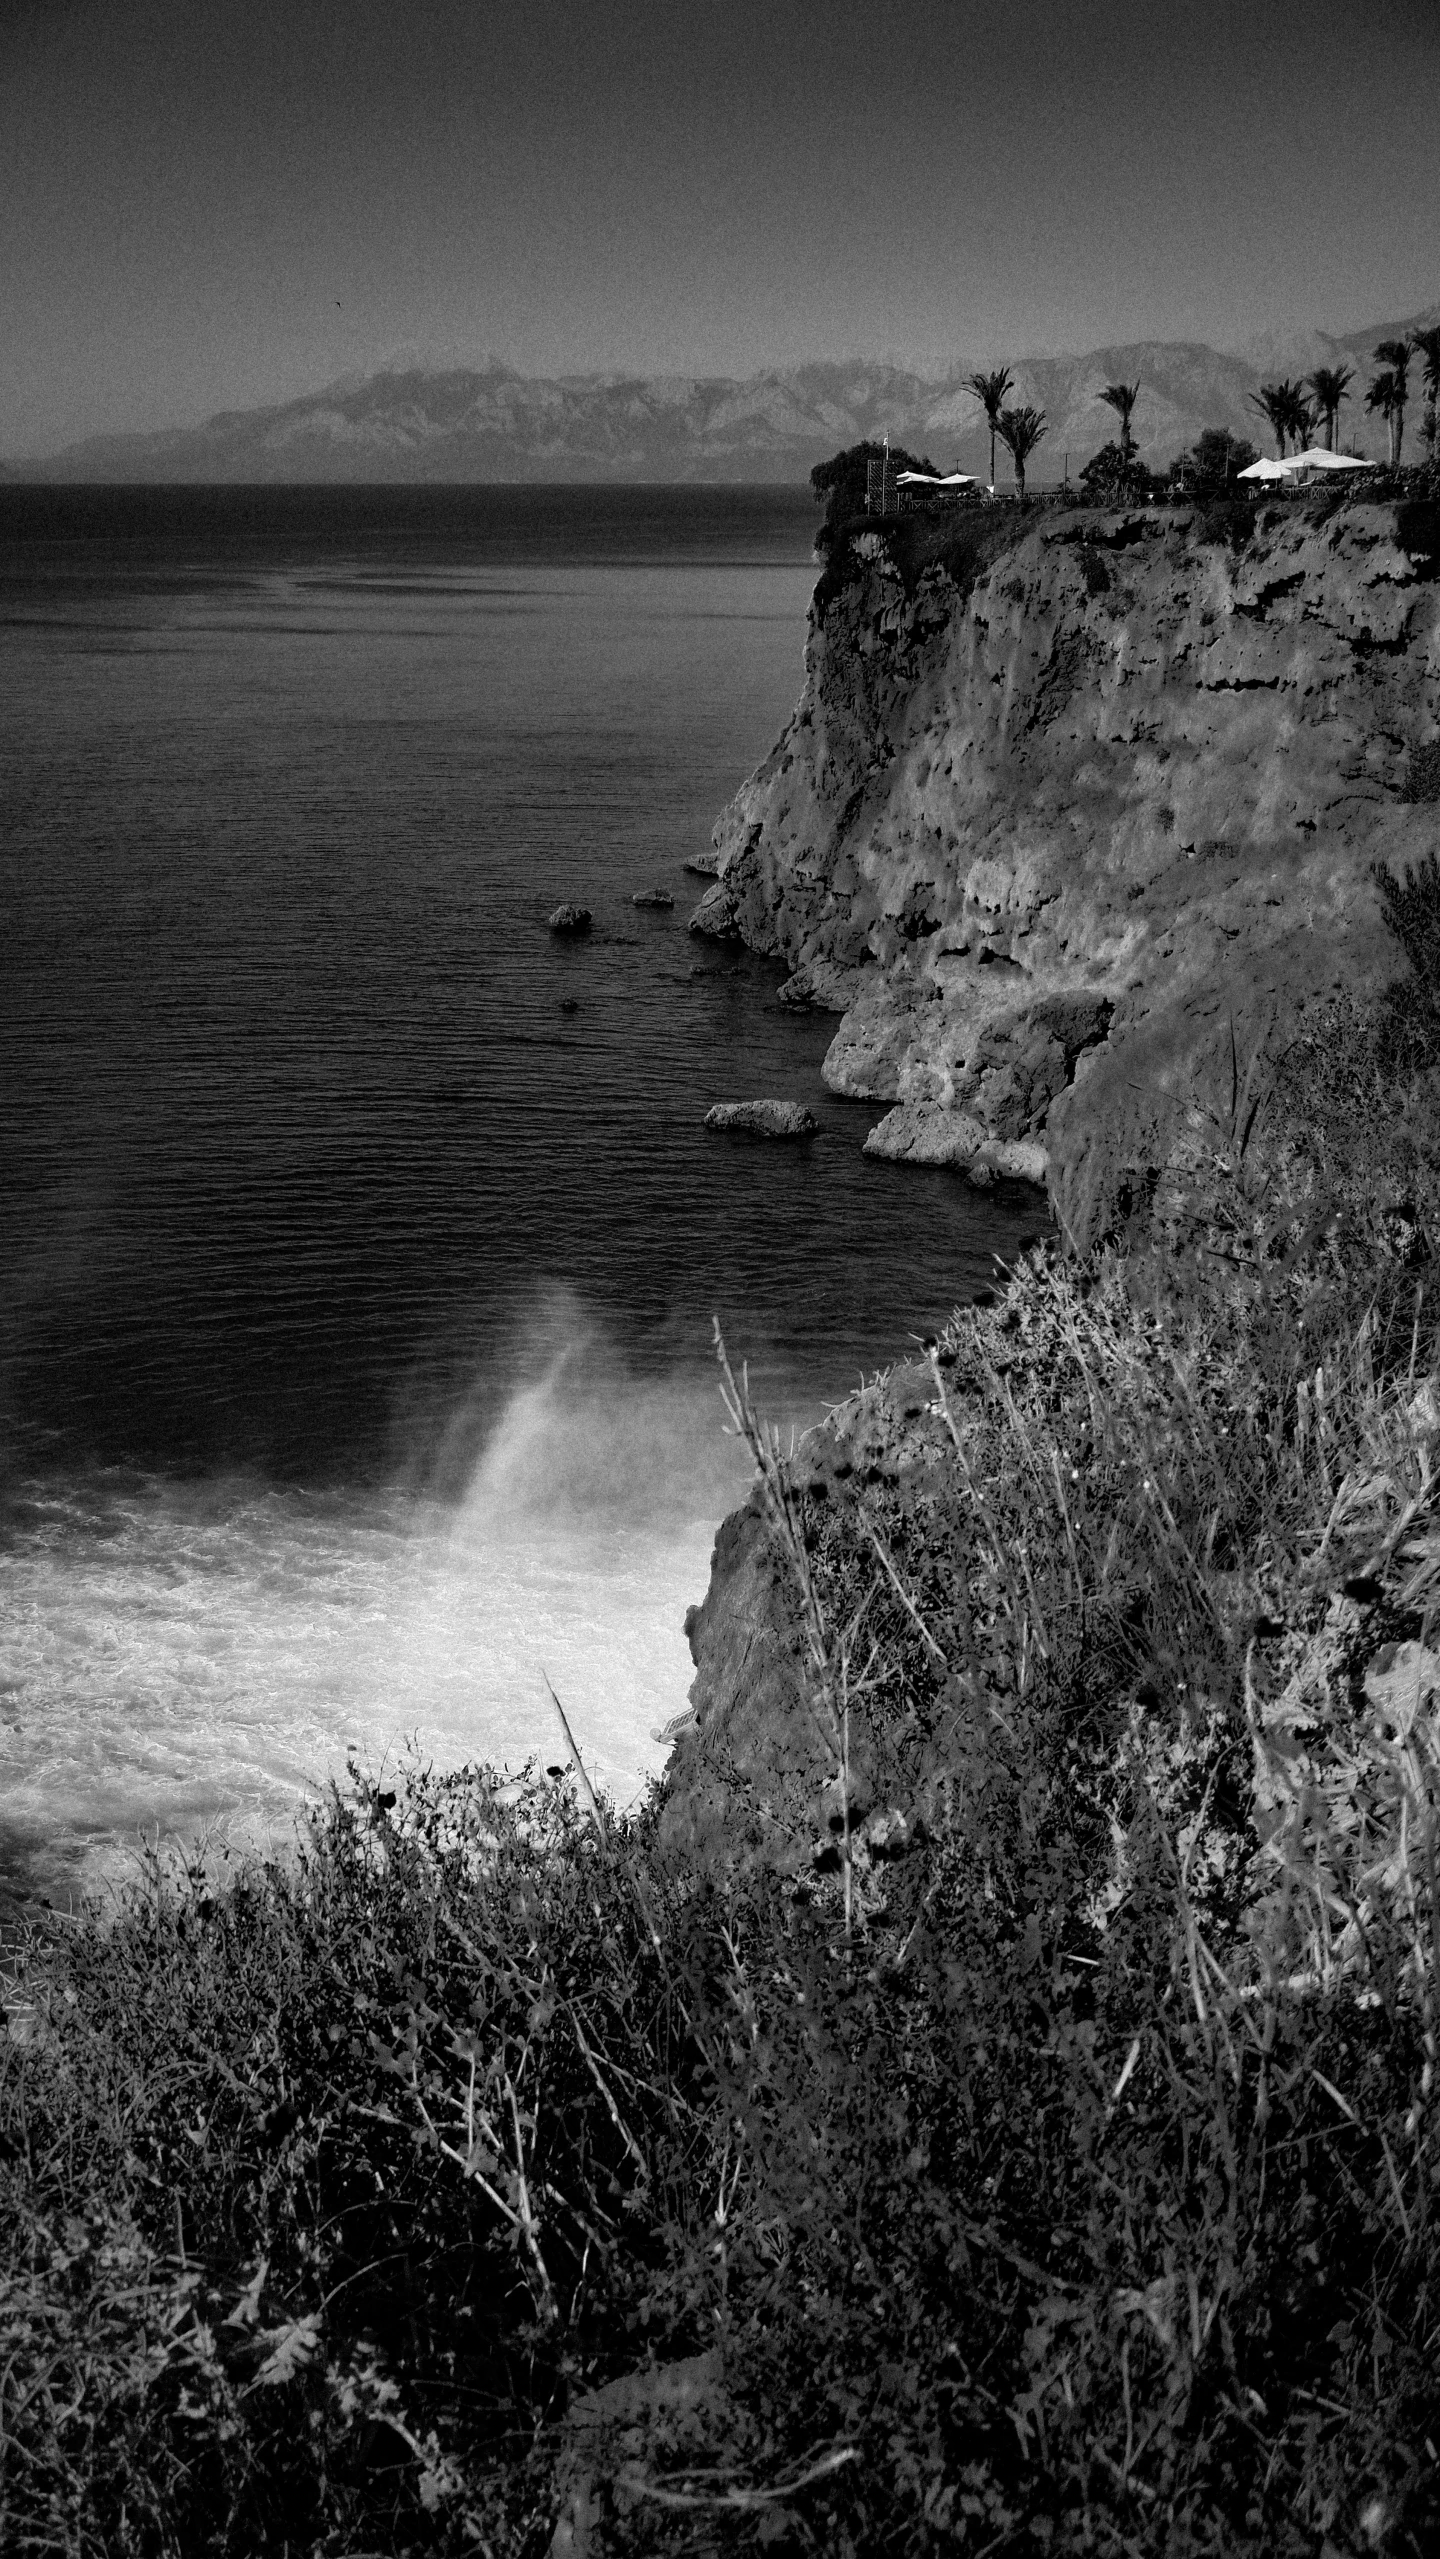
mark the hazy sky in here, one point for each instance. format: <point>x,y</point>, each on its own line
<point>211,203</point>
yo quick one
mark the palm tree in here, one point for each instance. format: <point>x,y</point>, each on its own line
<point>1020,431</point>
<point>992,391</point>
<point>1300,414</point>
<point>1394,352</point>
<point>1273,402</point>
<point>1426,343</point>
<point>1380,401</point>
<point>1331,384</point>
<point>1121,397</point>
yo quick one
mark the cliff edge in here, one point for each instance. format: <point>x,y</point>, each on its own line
<point>1059,812</point>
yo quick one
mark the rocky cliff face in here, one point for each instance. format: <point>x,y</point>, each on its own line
<point>1046,837</point>
<point>742,1778</point>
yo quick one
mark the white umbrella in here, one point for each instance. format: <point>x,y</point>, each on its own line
<point>1264,469</point>
<point>1316,458</point>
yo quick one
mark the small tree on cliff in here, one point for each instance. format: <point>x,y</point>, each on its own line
<point>1212,462</point>
<point>992,390</point>
<point>1112,477</point>
<point>840,484</point>
<point>1020,431</point>
<point>1121,397</point>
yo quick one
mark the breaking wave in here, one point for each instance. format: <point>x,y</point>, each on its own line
<point>202,1656</point>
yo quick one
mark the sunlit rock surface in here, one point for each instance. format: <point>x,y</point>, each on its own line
<point>1047,842</point>
<point>763,1119</point>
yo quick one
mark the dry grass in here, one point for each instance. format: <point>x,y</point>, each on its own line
<point>1051,2168</point>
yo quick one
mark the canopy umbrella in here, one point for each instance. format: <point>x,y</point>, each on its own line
<point>1264,469</point>
<point>1316,458</point>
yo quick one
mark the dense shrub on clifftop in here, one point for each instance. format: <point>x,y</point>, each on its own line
<point>1113,477</point>
<point>841,483</point>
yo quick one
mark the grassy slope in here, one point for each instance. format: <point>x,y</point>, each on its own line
<point>1052,2170</point>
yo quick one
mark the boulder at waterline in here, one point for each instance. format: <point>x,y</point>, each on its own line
<point>715,915</point>
<point>569,918</point>
<point>652,897</point>
<point>763,1119</point>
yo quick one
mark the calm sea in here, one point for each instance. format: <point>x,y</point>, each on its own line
<point>359,1241</point>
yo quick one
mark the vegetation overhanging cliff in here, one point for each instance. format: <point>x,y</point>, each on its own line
<point>1065,806</point>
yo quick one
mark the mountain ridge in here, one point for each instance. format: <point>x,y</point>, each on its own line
<point>490,422</point>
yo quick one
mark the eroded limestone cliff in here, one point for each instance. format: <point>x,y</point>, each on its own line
<point>1044,838</point>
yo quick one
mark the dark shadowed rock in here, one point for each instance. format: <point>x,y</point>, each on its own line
<point>570,918</point>
<point>821,987</point>
<point>763,1119</point>
<point>652,897</point>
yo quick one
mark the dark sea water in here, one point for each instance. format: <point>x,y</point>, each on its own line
<point>360,1241</point>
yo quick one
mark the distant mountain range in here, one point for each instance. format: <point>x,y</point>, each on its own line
<point>495,424</point>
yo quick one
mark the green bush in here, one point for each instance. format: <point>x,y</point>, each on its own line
<point>1209,470</point>
<point>841,482</point>
<point>1229,522</point>
<point>1113,478</point>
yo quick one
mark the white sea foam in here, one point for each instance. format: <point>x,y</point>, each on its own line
<point>201,1656</point>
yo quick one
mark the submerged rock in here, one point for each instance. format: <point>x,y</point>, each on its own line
<point>652,897</point>
<point>569,918</point>
<point>763,1119</point>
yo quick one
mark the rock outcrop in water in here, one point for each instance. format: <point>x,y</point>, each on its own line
<point>1047,831</point>
<point>763,1119</point>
